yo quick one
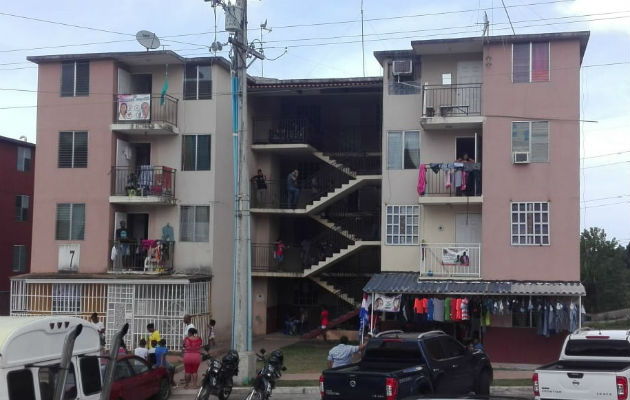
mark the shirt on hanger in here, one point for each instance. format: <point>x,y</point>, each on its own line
<point>458,309</point>
<point>417,306</point>
<point>447,309</point>
<point>438,310</point>
<point>430,309</point>
<point>465,309</point>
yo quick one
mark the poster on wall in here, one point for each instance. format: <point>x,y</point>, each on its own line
<point>455,256</point>
<point>387,303</point>
<point>134,107</point>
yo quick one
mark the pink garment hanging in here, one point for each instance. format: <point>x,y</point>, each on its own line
<point>422,179</point>
<point>463,180</point>
<point>447,178</point>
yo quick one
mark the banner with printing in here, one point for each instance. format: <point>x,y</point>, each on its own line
<point>455,256</point>
<point>387,303</point>
<point>134,107</point>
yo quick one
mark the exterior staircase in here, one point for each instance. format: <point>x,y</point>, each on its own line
<point>343,190</point>
<point>338,256</point>
<point>332,324</point>
<point>343,168</point>
<point>331,225</point>
<point>337,292</point>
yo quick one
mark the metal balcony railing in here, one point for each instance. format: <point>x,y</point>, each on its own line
<point>451,260</point>
<point>139,108</point>
<point>145,180</point>
<point>450,181</point>
<point>451,100</point>
<point>141,256</point>
<point>283,131</point>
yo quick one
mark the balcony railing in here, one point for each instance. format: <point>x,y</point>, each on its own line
<point>283,131</point>
<point>144,108</point>
<point>361,163</point>
<point>450,260</point>
<point>452,100</point>
<point>144,181</point>
<point>446,180</point>
<point>152,256</point>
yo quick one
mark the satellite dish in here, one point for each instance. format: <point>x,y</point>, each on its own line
<point>148,40</point>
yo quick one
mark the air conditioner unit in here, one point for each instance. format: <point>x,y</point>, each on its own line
<point>68,257</point>
<point>520,157</point>
<point>402,67</point>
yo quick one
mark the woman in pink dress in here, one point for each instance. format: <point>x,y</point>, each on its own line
<point>192,356</point>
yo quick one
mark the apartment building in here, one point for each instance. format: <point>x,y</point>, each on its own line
<point>480,188</point>
<point>16,201</point>
<point>134,219</point>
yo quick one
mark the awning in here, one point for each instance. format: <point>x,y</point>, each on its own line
<point>411,283</point>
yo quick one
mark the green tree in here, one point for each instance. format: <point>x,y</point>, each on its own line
<point>604,271</point>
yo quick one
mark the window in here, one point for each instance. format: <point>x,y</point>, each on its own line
<point>122,370</point>
<point>21,208</point>
<point>47,378</point>
<point>70,223</point>
<point>19,258</point>
<point>403,150</point>
<point>73,150</point>
<point>530,223</point>
<point>531,137</point>
<point>75,78</point>
<point>447,79</point>
<point>198,82</point>
<point>530,62</point>
<point>90,375</point>
<point>20,385</point>
<point>195,222</point>
<point>452,348</point>
<point>66,298</point>
<point>402,225</point>
<point>138,366</point>
<point>24,159</point>
<point>196,153</point>
<point>435,350</point>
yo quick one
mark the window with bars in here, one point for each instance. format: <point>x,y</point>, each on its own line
<point>196,153</point>
<point>75,78</point>
<point>530,62</point>
<point>19,258</point>
<point>530,223</point>
<point>403,150</point>
<point>198,82</point>
<point>402,225</point>
<point>531,137</point>
<point>66,298</point>
<point>23,159</point>
<point>70,223</point>
<point>194,223</point>
<point>73,150</point>
<point>21,208</point>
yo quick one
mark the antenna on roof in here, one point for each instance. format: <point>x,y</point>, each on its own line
<point>508,17</point>
<point>486,25</point>
<point>148,40</point>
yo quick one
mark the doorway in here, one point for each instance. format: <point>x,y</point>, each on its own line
<point>465,145</point>
<point>138,226</point>
<point>143,153</point>
<point>468,228</point>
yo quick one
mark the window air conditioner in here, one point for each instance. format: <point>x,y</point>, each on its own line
<point>520,157</point>
<point>402,67</point>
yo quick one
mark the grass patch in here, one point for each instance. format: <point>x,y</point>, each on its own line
<point>299,383</point>
<point>306,356</point>
<point>512,382</point>
<point>619,324</point>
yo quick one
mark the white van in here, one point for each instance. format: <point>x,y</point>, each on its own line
<point>30,353</point>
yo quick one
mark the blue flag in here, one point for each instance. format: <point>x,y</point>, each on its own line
<point>364,317</point>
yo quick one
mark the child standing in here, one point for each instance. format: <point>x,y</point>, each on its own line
<point>211,341</point>
<point>141,351</point>
<point>151,358</point>
<point>160,358</point>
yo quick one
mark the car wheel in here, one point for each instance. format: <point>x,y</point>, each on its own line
<point>225,392</point>
<point>483,383</point>
<point>165,390</point>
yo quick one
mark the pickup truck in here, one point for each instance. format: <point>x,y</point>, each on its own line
<point>397,365</point>
<point>593,365</point>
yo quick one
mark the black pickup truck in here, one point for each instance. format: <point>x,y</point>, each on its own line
<point>397,365</point>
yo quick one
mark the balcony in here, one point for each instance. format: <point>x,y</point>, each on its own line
<point>451,106</point>
<point>146,256</point>
<point>265,264</point>
<point>281,134</point>
<point>145,114</point>
<point>452,185</point>
<point>146,184</point>
<point>450,260</point>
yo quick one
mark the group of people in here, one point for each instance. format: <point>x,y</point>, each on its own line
<point>293,190</point>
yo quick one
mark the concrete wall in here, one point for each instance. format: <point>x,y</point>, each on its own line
<point>433,66</point>
<point>89,185</point>
<point>556,181</point>
<point>438,221</point>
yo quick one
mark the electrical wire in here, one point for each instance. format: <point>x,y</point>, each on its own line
<point>606,165</point>
<point>621,196</point>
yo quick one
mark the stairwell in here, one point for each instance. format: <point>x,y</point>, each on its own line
<point>343,253</point>
<point>332,324</point>
<point>336,291</point>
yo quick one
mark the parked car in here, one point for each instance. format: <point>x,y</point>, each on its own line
<point>134,379</point>
<point>593,364</point>
<point>397,365</point>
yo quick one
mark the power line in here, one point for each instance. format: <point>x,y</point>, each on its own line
<point>65,24</point>
<point>508,17</point>
<point>607,154</point>
<point>606,205</point>
<point>605,165</point>
<point>621,196</point>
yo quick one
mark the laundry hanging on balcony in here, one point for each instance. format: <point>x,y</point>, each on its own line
<point>422,179</point>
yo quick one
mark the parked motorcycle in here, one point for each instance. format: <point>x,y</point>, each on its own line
<point>265,380</point>
<point>217,380</point>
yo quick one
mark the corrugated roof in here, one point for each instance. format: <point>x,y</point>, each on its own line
<point>411,283</point>
<point>267,83</point>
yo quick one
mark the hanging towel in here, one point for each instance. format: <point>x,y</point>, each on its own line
<point>422,179</point>
<point>435,167</point>
<point>447,178</point>
<point>463,180</point>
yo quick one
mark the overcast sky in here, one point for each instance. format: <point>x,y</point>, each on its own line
<point>323,39</point>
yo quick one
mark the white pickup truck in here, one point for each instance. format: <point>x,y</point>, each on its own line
<point>593,365</point>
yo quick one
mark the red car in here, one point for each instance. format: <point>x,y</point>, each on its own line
<point>134,379</point>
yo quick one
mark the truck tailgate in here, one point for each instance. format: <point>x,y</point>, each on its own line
<point>354,385</point>
<point>577,385</point>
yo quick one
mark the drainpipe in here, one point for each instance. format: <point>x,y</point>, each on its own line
<point>66,357</point>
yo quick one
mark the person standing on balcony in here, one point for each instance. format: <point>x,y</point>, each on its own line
<point>122,236</point>
<point>278,251</point>
<point>292,189</point>
<point>260,183</point>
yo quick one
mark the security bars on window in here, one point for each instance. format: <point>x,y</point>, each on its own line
<point>402,225</point>
<point>530,224</point>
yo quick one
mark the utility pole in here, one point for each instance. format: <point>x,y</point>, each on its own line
<point>236,23</point>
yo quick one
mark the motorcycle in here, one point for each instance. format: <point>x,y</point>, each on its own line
<point>265,380</point>
<point>217,380</point>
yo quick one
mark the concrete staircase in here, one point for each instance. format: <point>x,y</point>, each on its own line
<point>343,168</point>
<point>332,324</point>
<point>338,256</point>
<point>332,226</point>
<point>343,190</point>
<point>337,292</point>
